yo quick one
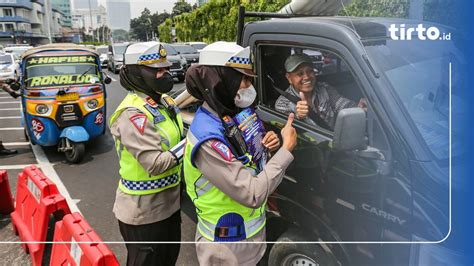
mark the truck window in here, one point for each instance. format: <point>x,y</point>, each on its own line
<point>328,79</point>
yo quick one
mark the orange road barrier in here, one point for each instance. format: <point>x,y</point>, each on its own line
<point>6,198</point>
<point>37,198</point>
<point>74,229</point>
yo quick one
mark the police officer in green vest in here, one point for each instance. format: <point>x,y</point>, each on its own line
<point>227,184</point>
<point>148,134</point>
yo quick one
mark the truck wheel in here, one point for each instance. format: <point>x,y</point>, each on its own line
<point>181,78</point>
<point>77,153</point>
<point>288,253</point>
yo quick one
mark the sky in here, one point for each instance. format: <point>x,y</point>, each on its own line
<point>137,6</point>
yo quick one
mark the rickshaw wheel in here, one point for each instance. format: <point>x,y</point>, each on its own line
<point>77,152</point>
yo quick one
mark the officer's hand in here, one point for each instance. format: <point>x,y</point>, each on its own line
<point>302,108</point>
<point>288,133</point>
<point>271,141</point>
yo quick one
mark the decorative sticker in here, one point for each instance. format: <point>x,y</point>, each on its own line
<point>37,127</point>
<point>99,118</point>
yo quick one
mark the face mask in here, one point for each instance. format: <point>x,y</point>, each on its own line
<point>162,85</point>
<point>245,97</point>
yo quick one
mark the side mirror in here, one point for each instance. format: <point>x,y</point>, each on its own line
<point>107,80</point>
<point>349,131</point>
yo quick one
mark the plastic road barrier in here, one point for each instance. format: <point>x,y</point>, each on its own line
<point>74,229</point>
<point>6,198</point>
<point>36,199</point>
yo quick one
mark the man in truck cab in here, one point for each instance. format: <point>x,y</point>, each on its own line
<point>312,101</point>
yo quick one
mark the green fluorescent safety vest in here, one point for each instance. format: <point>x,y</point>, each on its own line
<point>210,202</point>
<point>135,179</point>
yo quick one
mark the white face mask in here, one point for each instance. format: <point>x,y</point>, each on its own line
<point>245,97</point>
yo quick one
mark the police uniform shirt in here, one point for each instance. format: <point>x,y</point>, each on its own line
<point>146,148</point>
<point>232,178</point>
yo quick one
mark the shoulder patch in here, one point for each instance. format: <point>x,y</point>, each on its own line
<point>222,149</point>
<point>139,121</point>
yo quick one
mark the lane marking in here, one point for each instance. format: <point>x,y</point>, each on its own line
<point>10,128</point>
<point>8,102</point>
<point>10,117</point>
<point>10,109</point>
<point>16,166</point>
<point>16,143</point>
<point>49,171</point>
<point>3,93</point>
<point>113,79</point>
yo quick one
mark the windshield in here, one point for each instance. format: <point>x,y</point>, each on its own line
<point>419,73</point>
<point>199,46</point>
<point>120,49</point>
<point>5,59</point>
<point>185,49</point>
<point>102,50</point>
<point>170,50</point>
<point>61,71</point>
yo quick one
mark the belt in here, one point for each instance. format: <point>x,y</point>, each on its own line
<point>213,232</point>
<point>152,184</point>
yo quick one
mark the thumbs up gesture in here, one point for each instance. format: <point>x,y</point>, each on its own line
<point>288,134</point>
<point>302,108</point>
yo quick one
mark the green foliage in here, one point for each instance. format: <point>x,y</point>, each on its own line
<point>377,8</point>
<point>181,7</point>
<point>443,12</point>
<point>216,20</point>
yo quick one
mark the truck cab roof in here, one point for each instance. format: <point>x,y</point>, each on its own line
<point>362,27</point>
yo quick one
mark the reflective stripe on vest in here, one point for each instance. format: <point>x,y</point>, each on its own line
<point>200,190</point>
<point>152,184</point>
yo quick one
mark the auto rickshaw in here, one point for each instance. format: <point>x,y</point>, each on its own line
<point>63,97</point>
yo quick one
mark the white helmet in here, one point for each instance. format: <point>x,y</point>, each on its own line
<point>151,54</point>
<point>227,54</point>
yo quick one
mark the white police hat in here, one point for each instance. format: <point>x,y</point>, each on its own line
<point>227,54</point>
<point>151,54</point>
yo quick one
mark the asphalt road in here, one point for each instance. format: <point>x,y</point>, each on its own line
<point>91,184</point>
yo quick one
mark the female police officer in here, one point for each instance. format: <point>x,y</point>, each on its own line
<point>148,133</point>
<point>228,188</point>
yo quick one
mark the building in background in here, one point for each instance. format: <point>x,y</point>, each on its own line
<point>84,4</point>
<point>119,14</point>
<point>29,22</point>
<point>89,19</point>
<point>65,7</point>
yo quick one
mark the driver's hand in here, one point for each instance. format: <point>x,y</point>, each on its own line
<point>362,104</point>
<point>302,108</point>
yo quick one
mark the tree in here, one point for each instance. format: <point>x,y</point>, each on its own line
<point>145,27</point>
<point>181,7</point>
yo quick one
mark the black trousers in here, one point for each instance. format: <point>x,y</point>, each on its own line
<point>153,254</point>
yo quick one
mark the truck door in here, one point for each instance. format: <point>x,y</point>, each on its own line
<point>343,189</point>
